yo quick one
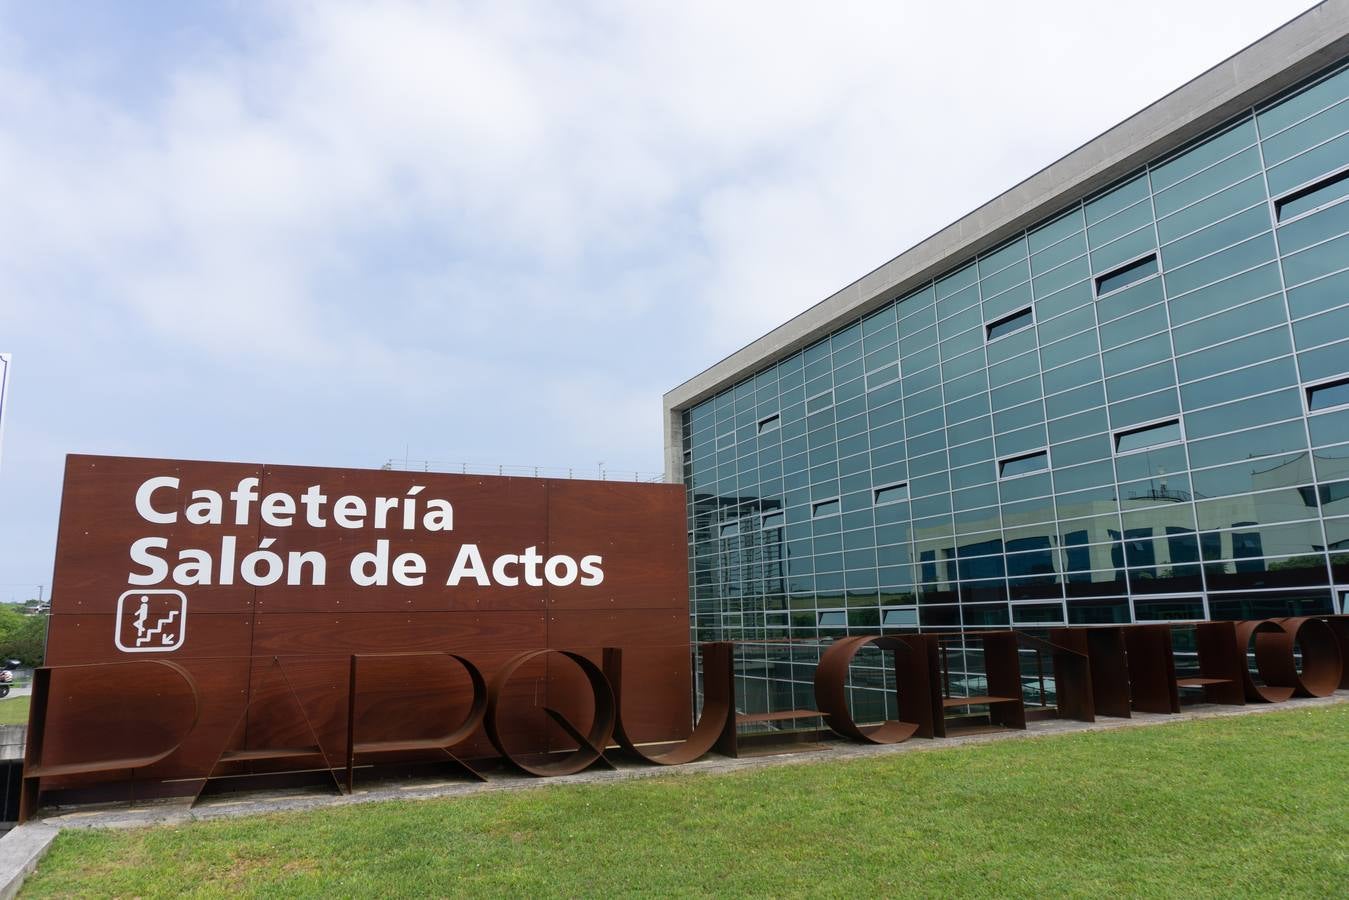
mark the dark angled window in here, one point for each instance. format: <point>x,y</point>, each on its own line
<point>1324,396</point>
<point>772,520</point>
<point>833,618</point>
<point>899,617</point>
<point>824,508</point>
<point>769,424</point>
<point>1127,274</point>
<point>1007,324</point>
<point>892,493</point>
<point>1305,199</point>
<point>730,529</point>
<point>1022,465</point>
<point>1147,436</point>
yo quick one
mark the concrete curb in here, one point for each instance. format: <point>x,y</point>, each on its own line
<point>20,851</point>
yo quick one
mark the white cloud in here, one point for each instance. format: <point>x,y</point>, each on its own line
<point>811,143</point>
<point>425,210</point>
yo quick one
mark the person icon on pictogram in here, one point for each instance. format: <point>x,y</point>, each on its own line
<point>142,615</point>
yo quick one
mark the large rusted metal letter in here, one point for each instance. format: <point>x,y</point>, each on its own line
<point>1220,664</point>
<point>1322,665</point>
<point>1073,697</point>
<point>1339,627</point>
<point>1269,692</point>
<point>590,745</point>
<point>1152,668</point>
<point>274,754</point>
<point>35,768</point>
<point>440,744</point>
<point>717,664</point>
<point>831,690</point>
<point>1107,663</point>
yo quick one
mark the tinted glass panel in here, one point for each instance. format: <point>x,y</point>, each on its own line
<point>1319,295</point>
<point>1202,154</point>
<point>1116,199</point>
<point>1289,110</point>
<point>1169,609</point>
<point>1240,383</point>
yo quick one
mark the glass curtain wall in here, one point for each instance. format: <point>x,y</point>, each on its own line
<point>1136,411</point>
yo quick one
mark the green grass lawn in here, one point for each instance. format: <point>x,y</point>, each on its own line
<point>1245,805</point>
<point>14,711</point>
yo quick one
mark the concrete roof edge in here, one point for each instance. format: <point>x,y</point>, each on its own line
<point>1279,60</point>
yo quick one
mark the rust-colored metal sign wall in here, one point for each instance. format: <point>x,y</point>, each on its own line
<point>262,582</point>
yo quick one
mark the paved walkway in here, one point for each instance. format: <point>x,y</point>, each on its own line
<point>255,803</point>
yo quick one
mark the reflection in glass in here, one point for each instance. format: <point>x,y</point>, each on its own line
<point>897,472</point>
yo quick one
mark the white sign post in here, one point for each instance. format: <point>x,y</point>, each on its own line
<point>4,395</point>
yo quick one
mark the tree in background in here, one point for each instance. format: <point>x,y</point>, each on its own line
<point>22,637</point>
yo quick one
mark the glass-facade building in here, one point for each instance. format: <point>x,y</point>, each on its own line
<point>1134,410</point>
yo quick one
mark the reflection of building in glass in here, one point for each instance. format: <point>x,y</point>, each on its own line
<point>1117,393</point>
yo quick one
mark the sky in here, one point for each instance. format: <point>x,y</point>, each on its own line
<point>336,233</point>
